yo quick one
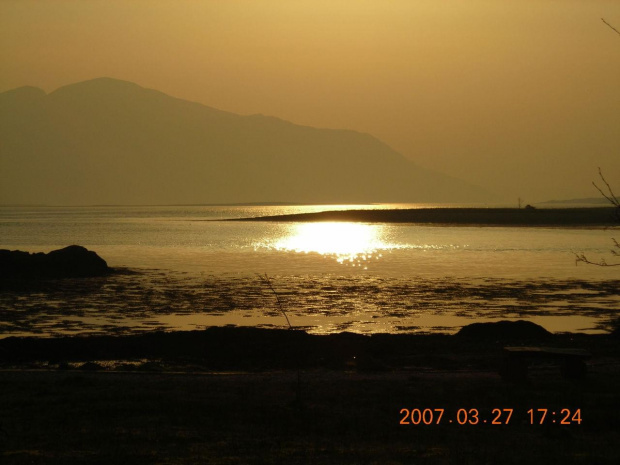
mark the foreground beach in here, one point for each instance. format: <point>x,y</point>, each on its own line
<point>229,395</point>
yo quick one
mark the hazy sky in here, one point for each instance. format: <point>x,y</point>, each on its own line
<point>521,97</point>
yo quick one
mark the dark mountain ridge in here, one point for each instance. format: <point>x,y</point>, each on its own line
<point>108,141</point>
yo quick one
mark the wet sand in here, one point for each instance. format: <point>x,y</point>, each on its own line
<point>136,301</point>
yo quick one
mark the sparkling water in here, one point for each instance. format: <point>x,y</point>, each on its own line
<point>332,276</point>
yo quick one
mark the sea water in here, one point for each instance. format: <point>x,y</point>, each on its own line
<point>331,276</point>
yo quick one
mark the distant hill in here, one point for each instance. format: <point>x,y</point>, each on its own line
<point>106,141</point>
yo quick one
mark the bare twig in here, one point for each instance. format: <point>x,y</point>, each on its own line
<point>613,28</point>
<point>267,281</point>
<point>582,258</point>
<point>611,197</point>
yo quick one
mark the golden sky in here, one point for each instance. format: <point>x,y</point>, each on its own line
<point>521,97</point>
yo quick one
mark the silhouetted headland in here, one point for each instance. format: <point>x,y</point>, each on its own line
<point>598,216</point>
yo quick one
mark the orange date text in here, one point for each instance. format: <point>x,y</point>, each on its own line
<point>496,416</point>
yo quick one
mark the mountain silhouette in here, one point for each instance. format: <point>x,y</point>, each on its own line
<point>107,141</point>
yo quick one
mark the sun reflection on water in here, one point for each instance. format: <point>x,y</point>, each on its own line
<point>351,244</point>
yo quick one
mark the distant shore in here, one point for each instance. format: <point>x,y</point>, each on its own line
<point>597,216</point>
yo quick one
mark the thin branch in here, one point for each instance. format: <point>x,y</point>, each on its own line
<point>582,258</point>
<point>617,245</point>
<point>267,281</point>
<point>613,28</point>
<point>611,197</point>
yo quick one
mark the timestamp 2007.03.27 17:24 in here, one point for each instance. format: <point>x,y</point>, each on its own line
<point>496,416</point>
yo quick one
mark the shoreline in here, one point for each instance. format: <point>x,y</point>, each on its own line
<point>248,348</point>
<point>593,216</point>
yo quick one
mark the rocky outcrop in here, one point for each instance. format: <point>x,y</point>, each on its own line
<point>504,331</point>
<point>70,262</point>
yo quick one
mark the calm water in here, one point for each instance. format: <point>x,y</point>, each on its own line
<point>332,276</point>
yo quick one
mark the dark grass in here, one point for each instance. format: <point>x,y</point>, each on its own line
<point>179,407</point>
<point>67,417</point>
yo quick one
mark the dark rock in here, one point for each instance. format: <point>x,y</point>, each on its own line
<point>504,331</point>
<point>150,366</point>
<point>91,366</point>
<point>63,366</point>
<point>71,262</point>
